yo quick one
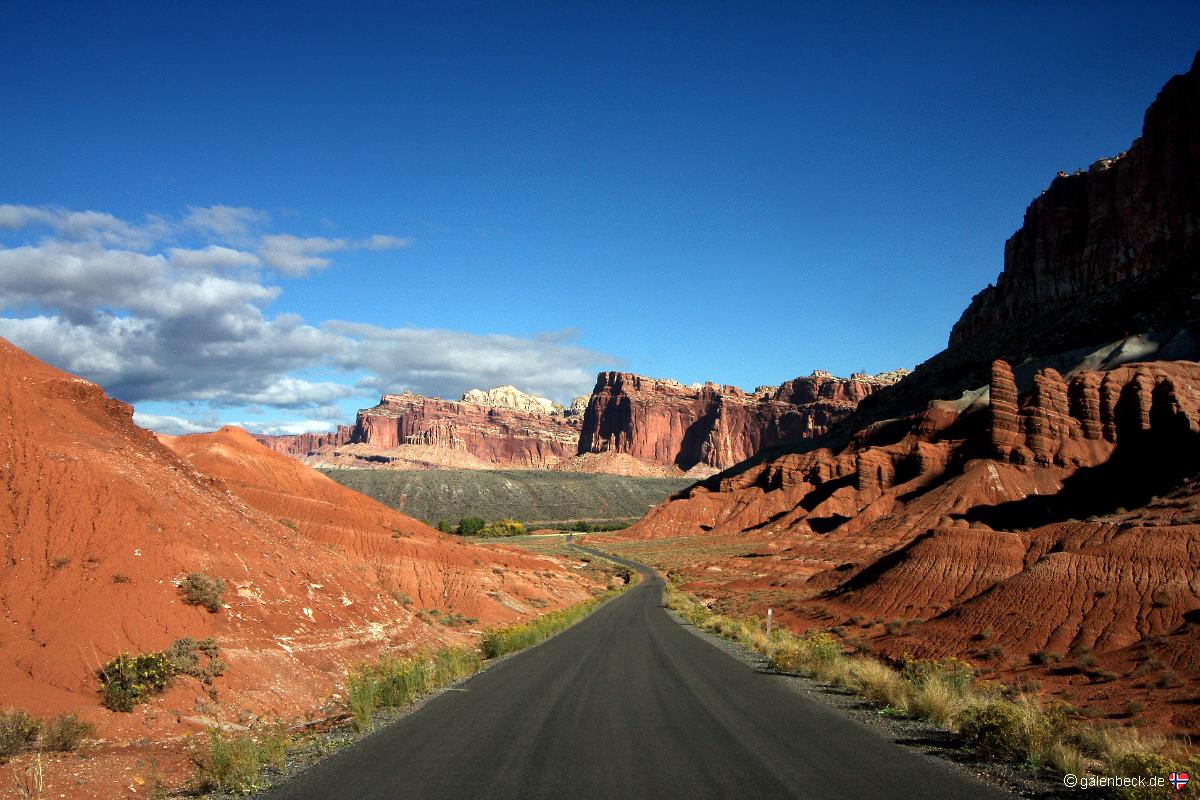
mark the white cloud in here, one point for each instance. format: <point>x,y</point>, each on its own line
<point>171,426</point>
<point>382,242</point>
<point>92,226</point>
<point>211,257</point>
<point>190,325</point>
<point>295,255</point>
<point>230,223</point>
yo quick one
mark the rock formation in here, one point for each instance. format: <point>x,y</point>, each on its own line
<point>303,444</point>
<point>661,427</point>
<point>1032,488</point>
<point>718,426</point>
<point>501,436</point>
<point>1103,254</point>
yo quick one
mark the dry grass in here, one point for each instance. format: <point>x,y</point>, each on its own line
<point>990,718</point>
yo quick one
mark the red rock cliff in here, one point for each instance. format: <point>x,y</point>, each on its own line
<point>1125,223</point>
<point>662,420</point>
<point>506,437</point>
<point>1103,254</point>
<point>303,444</point>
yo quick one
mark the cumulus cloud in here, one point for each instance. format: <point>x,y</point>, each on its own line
<point>172,425</point>
<point>212,257</point>
<point>192,324</point>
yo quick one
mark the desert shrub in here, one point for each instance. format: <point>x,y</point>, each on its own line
<point>120,577</point>
<point>289,523</point>
<point>939,700</point>
<point>503,527</point>
<point>954,672</point>
<point>470,526</point>
<point>1144,764</point>
<point>65,733</point>
<point>233,762</point>
<point>1007,730</point>
<point>1045,657</point>
<point>199,589</point>
<point>893,626</point>
<point>362,695</point>
<point>452,663</point>
<point>880,684</point>
<point>444,526</point>
<point>184,656</point>
<point>130,679</point>
<point>18,731</point>
<point>1167,680</point>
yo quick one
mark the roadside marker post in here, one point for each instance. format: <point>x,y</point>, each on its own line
<point>768,623</point>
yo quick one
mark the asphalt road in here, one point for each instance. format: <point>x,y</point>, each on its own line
<point>628,704</point>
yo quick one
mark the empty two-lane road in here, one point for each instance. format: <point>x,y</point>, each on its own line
<point>627,704</point>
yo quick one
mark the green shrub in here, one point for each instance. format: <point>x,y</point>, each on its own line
<point>18,731</point>
<point>130,679</point>
<point>443,526</point>
<point>234,762</point>
<point>184,656</point>
<point>362,695</point>
<point>526,634</point>
<point>199,589</point>
<point>1144,765</point>
<point>1002,729</point>
<point>470,526</point>
<point>65,732</point>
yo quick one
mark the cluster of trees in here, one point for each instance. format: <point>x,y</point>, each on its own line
<point>477,526</point>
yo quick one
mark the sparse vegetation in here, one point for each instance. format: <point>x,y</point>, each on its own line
<point>539,498</point>
<point>289,523</point>
<point>18,732</point>
<point>526,634</point>
<point>65,732</point>
<point>199,589</point>
<point>395,682</point>
<point>131,679</point>
<point>997,722</point>
<point>470,526</point>
<point>234,762</point>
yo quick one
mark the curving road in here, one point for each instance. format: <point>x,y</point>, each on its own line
<point>628,704</point>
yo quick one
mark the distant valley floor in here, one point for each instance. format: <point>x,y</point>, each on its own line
<point>537,498</point>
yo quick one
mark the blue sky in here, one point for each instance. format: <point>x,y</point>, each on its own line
<point>732,192</point>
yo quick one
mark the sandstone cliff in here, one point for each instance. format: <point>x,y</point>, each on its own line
<point>718,426</point>
<point>1103,254</point>
<point>500,436</point>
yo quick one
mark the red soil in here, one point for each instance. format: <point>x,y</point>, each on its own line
<point>100,520</point>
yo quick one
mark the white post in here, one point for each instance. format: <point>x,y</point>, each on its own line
<point>768,622</point>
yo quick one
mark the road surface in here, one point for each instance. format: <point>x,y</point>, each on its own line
<point>628,704</point>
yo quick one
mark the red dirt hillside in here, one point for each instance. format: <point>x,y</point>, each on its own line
<point>100,521</point>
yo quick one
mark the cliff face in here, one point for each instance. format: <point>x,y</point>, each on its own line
<point>718,426</point>
<point>1126,224</point>
<point>1102,255</point>
<point>304,444</point>
<point>500,436</point>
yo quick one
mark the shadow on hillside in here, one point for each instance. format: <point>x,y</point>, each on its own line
<point>1135,474</point>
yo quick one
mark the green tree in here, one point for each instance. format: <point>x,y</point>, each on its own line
<point>469,526</point>
<point>443,526</point>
